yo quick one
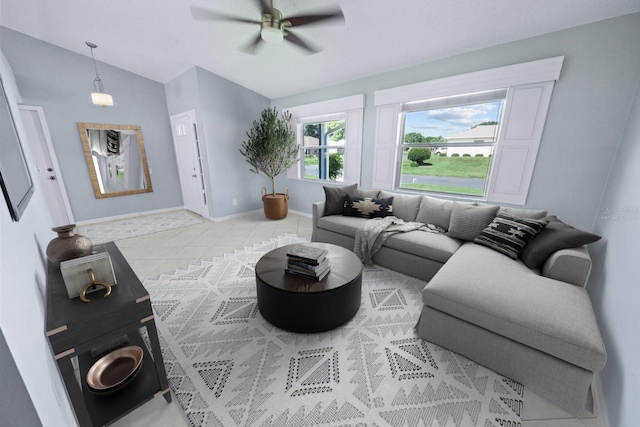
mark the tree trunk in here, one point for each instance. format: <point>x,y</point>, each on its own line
<point>273,186</point>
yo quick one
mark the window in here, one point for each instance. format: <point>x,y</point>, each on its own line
<point>330,137</point>
<point>447,144</point>
<point>524,93</point>
<point>323,150</point>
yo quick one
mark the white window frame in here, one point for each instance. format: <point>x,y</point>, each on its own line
<point>300,138</point>
<point>529,88</point>
<point>349,108</point>
<point>448,102</point>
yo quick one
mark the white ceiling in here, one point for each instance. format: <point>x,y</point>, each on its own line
<point>159,39</point>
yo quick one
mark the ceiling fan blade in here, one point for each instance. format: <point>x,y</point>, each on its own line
<point>201,14</point>
<point>251,47</point>
<point>289,36</point>
<point>264,5</point>
<point>335,15</point>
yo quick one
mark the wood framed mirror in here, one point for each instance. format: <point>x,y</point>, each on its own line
<point>116,159</point>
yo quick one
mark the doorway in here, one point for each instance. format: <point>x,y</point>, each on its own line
<point>46,164</point>
<point>189,157</point>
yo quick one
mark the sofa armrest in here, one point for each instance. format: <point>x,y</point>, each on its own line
<point>569,265</point>
<point>317,212</point>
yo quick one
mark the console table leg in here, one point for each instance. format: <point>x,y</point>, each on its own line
<point>74,391</point>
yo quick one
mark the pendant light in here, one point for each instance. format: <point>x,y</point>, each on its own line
<point>99,96</point>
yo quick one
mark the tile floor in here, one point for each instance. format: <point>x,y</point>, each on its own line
<point>153,254</point>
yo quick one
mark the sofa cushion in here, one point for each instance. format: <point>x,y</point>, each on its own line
<point>435,211</point>
<point>433,246</point>
<point>334,198</point>
<point>347,225</point>
<point>485,288</point>
<point>405,206</point>
<point>366,207</point>
<point>509,234</point>
<point>467,220</point>
<point>555,236</point>
<point>522,213</point>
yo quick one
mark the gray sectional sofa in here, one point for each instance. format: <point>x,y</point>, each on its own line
<point>533,325</point>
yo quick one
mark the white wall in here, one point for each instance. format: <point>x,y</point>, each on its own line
<point>22,291</point>
<point>615,281</point>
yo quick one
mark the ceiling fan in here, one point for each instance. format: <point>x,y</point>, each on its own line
<point>273,26</point>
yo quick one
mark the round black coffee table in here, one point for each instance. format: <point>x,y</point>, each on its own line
<point>299,304</point>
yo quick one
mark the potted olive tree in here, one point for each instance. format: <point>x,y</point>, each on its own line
<point>271,149</point>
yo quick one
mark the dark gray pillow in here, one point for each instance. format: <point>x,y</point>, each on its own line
<point>509,234</point>
<point>555,236</point>
<point>334,198</point>
<point>467,221</point>
<point>405,206</point>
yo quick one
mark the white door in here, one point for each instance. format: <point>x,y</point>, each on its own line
<point>46,164</point>
<point>189,156</point>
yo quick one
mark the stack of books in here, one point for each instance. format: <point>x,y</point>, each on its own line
<point>308,261</point>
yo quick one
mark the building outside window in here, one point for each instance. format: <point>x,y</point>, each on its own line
<point>323,144</point>
<point>448,143</point>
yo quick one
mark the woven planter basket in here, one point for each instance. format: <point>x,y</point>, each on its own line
<point>275,207</point>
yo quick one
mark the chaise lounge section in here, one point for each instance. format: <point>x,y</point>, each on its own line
<point>533,325</point>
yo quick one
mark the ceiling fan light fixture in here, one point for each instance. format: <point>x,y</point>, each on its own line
<point>271,34</point>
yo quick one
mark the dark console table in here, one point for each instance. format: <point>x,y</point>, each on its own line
<point>80,333</point>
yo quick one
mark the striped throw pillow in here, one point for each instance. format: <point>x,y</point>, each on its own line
<point>509,234</point>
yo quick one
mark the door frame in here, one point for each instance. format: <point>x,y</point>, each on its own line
<point>48,147</point>
<point>202,165</point>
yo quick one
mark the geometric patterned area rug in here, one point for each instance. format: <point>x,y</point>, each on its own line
<point>136,226</point>
<point>230,367</point>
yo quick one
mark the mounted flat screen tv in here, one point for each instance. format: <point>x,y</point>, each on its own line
<point>15,179</point>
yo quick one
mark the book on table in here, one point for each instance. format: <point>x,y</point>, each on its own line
<point>308,254</point>
<point>297,264</point>
<point>307,274</point>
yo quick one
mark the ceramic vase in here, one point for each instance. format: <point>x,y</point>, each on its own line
<point>68,244</point>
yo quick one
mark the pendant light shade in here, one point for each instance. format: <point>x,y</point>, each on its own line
<point>99,96</point>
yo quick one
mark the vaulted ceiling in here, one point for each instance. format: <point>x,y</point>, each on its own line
<point>160,39</point>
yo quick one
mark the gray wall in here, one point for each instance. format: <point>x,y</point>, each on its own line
<point>615,278</point>
<point>16,407</point>
<point>22,293</point>
<point>585,121</point>
<point>225,112</point>
<point>61,82</point>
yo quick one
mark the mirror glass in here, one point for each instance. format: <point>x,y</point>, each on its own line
<point>116,159</point>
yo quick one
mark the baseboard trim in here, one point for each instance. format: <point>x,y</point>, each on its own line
<point>238,215</point>
<point>128,216</point>
<point>307,215</point>
<point>599,403</point>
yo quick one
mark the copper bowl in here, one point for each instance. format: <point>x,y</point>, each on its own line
<point>114,369</point>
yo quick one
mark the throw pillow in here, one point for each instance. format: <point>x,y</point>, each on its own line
<point>523,213</point>
<point>405,206</point>
<point>556,236</point>
<point>366,207</point>
<point>467,220</point>
<point>368,193</point>
<point>435,211</point>
<point>334,198</point>
<point>509,234</point>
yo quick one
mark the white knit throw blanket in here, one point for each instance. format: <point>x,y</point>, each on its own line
<point>371,235</point>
